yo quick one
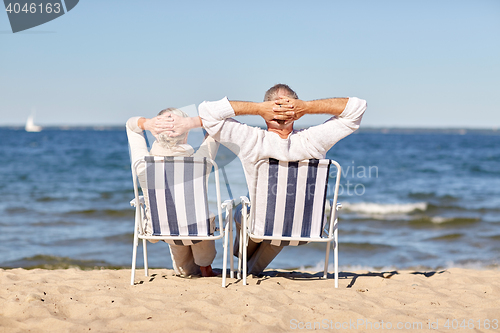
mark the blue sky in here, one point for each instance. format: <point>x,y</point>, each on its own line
<point>417,63</point>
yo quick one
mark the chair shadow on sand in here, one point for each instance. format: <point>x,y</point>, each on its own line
<point>303,276</point>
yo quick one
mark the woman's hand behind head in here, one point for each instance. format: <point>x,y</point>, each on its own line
<point>181,125</point>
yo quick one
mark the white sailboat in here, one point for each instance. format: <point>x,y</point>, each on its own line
<point>30,124</point>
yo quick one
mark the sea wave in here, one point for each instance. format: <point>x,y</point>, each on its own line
<point>16,210</point>
<point>447,237</point>
<point>433,196</point>
<point>365,246</point>
<point>103,212</point>
<point>56,262</point>
<point>495,237</point>
<point>50,199</point>
<point>384,209</point>
<point>443,221</point>
<point>56,223</point>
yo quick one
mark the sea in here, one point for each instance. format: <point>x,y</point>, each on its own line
<point>422,200</point>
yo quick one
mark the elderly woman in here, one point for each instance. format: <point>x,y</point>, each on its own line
<point>187,260</point>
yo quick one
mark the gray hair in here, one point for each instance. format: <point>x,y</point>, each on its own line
<point>166,141</point>
<point>279,89</point>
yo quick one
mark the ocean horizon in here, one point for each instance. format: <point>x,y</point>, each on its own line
<point>364,129</point>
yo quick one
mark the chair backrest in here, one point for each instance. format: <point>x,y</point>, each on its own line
<point>175,193</point>
<point>289,198</point>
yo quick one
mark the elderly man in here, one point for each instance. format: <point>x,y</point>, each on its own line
<point>281,107</point>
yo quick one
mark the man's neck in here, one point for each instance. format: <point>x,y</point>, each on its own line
<point>282,132</point>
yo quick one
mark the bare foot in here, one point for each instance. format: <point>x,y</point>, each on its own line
<point>206,271</point>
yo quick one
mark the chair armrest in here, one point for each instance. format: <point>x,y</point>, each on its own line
<point>244,200</point>
<point>141,201</point>
<point>339,204</point>
<point>228,203</point>
<point>235,202</point>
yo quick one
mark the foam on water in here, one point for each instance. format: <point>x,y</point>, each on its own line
<point>384,209</point>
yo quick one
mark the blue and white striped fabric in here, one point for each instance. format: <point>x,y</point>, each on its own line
<point>177,197</point>
<point>289,200</point>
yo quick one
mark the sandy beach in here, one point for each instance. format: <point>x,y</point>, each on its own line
<point>72,300</point>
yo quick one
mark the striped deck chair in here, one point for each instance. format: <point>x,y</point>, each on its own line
<point>288,207</point>
<point>175,202</point>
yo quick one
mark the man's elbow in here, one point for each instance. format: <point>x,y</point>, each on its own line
<point>359,109</point>
<point>358,114</point>
<point>362,105</point>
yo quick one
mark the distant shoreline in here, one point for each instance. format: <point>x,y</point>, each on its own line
<point>362,130</point>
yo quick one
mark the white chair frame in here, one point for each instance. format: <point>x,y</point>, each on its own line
<point>139,233</point>
<point>332,233</point>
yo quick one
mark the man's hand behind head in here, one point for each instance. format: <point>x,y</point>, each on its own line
<point>270,112</point>
<point>295,108</point>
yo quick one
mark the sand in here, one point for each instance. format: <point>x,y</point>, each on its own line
<point>72,300</point>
